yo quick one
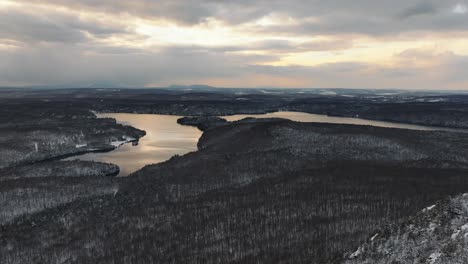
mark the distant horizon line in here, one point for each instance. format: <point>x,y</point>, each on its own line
<point>202,86</point>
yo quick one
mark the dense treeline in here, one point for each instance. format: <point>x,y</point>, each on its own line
<point>29,135</point>
<point>26,196</point>
<point>29,189</point>
<point>73,168</point>
<point>202,122</point>
<point>426,108</point>
<point>257,192</point>
<point>309,217</point>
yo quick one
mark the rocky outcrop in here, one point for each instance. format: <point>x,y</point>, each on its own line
<point>436,235</point>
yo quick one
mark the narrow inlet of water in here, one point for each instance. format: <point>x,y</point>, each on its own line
<point>165,138</point>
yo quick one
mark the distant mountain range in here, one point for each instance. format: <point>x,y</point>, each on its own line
<point>208,88</point>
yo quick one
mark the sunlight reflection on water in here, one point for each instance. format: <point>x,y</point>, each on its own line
<point>165,138</point>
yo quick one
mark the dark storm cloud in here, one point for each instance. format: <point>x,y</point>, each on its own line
<point>50,27</point>
<point>423,8</point>
<point>183,11</point>
<point>22,27</point>
<point>70,65</point>
<point>368,17</point>
<point>358,16</point>
<point>71,41</point>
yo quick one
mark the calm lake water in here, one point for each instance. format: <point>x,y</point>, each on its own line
<point>305,117</point>
<point>165,138</point>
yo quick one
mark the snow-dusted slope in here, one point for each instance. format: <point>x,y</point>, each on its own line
<point>438,234</point>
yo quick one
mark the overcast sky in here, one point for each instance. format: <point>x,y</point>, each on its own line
<point>417,44</point>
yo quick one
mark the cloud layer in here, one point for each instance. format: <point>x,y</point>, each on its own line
<point>237,43</point>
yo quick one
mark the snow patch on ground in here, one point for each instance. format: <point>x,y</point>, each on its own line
<point>81,145</point>
<point>455,235</point>
<point>387,94</point>
<point>433,258</point>
<point>464,227</point>
<point>328,93</point>
<point>119,143</point>
<point>271,92</point>
<point>424,239</point>
<point>356,253</point>
<point>429,208</point>
<point>435,100</point>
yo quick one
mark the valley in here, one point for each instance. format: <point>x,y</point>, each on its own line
<point>252,190</point>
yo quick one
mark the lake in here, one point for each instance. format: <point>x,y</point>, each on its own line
<point>306,117</point>
<point>165,138</point>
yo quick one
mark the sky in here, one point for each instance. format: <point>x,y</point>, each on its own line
<point>406,44</point>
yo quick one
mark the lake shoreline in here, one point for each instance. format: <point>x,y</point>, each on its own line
<point>170,128</point>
